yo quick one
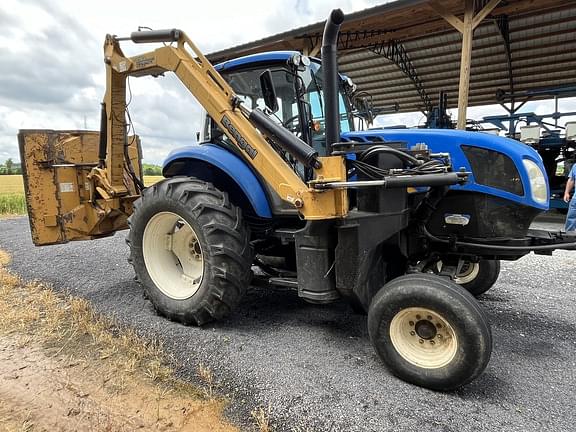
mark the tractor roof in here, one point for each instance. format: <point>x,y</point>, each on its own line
<point>266,57</point>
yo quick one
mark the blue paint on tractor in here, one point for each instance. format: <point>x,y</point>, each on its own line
<point>252,59</point>
<point>438,140</point>
<point>232,165</point>
<point>450,141</point>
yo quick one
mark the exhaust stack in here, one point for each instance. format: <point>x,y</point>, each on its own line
<point>330,77</point>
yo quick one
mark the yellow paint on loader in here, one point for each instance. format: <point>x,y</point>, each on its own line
<point>72,195</point>
<point>62,205</point>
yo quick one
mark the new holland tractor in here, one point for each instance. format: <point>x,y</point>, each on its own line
<point>405,225</point>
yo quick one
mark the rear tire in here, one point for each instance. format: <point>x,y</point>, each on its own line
<point>190,249</point>
<point>476,277</point>
<point>429,332</point>
<point>485,276</point>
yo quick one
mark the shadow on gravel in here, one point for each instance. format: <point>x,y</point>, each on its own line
<point>530,324</point>
<point>489,388</point>
<point>495,297</point>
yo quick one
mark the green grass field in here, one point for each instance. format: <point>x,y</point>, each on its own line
<point>12,201</point>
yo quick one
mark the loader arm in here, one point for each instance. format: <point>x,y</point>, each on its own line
<point>218,98</point>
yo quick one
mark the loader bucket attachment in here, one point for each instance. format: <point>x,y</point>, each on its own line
<point>61,204</point>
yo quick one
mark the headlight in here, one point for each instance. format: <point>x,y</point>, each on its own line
<point>537,178</point>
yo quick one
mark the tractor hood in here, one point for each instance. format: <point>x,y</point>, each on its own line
<point>501,167</point>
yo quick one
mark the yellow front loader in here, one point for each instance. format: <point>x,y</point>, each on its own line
<point>95,178</point>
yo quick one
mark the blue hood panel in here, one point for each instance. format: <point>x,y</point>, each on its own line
<point>449,141</point>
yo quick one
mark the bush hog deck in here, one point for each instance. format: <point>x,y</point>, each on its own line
<point>406,225</point>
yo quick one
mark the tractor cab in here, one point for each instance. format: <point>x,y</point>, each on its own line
<point>297,81</point>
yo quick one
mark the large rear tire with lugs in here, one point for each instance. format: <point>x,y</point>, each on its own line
<point>429,331</point>
<point>190,249</point>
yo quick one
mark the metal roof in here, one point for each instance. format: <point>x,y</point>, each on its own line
<point>405,52</point>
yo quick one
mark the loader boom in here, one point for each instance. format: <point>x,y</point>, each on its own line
<point>218,98</point>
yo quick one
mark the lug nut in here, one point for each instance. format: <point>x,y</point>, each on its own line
<point>418,317</point>
<point>413,333</point>
<point>421,341</point>
<point>429,317</point>
<point>432,342</point>
<point>411,323</point>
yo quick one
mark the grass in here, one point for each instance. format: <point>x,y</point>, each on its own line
<point>150,180</point>
<point>109,362</point>
<point>11,184</point>
<point>35,310</point>
<point>13,202</point>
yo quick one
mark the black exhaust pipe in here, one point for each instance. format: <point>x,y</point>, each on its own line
<point>330,78</point>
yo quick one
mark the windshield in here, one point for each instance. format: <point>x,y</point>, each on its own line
<point>246,85</point>
<point>300,103</point>
<point>312,80</point>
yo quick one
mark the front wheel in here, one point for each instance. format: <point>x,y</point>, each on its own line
<point>429,332</point>
<point>190,250</point>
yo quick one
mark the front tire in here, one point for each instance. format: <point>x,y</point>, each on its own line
<point>190,249</point>
<point>429,332</point>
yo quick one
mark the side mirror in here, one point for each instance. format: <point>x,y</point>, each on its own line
<point>268,90</point>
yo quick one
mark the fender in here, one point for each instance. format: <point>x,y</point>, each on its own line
<point>211,155</point>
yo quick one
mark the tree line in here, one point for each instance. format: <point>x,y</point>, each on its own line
<point>9,167</point>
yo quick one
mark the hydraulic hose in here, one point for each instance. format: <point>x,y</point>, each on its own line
<point>385,149</point>
<point>330,78</point>
<point>499,247</point>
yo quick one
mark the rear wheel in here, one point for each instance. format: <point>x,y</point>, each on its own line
<point>481,277</point>
<point>190,250</point>
<point>477,277</point>
<point>429,331</point>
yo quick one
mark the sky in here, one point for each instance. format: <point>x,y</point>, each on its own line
<point>52,74</point>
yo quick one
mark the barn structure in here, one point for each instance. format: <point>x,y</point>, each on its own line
<point>478,52</point>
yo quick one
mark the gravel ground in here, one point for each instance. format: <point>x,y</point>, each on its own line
<point>314,365</point>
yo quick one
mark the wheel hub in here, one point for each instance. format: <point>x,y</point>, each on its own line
<point>423,337</point>
<point>425,329</point>
<point>173,255</point>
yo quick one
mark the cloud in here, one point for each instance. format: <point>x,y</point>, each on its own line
<point>52,74</point>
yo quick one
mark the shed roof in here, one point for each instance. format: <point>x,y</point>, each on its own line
<point>405,52</point>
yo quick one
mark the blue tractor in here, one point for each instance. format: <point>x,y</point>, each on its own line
<point>406,225</point>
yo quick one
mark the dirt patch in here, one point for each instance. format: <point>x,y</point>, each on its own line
<point>41,392</point>
<point>64,368</point>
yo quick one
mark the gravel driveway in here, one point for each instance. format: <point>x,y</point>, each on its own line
<point>314,365</point>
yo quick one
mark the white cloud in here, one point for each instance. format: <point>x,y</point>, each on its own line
<point>52,73</point>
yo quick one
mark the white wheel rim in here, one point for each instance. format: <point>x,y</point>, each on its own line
<point>468,272</point>
<point>173,255</point>
<point>423,338</point>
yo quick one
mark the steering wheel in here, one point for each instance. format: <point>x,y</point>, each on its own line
<point>288,124</point>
